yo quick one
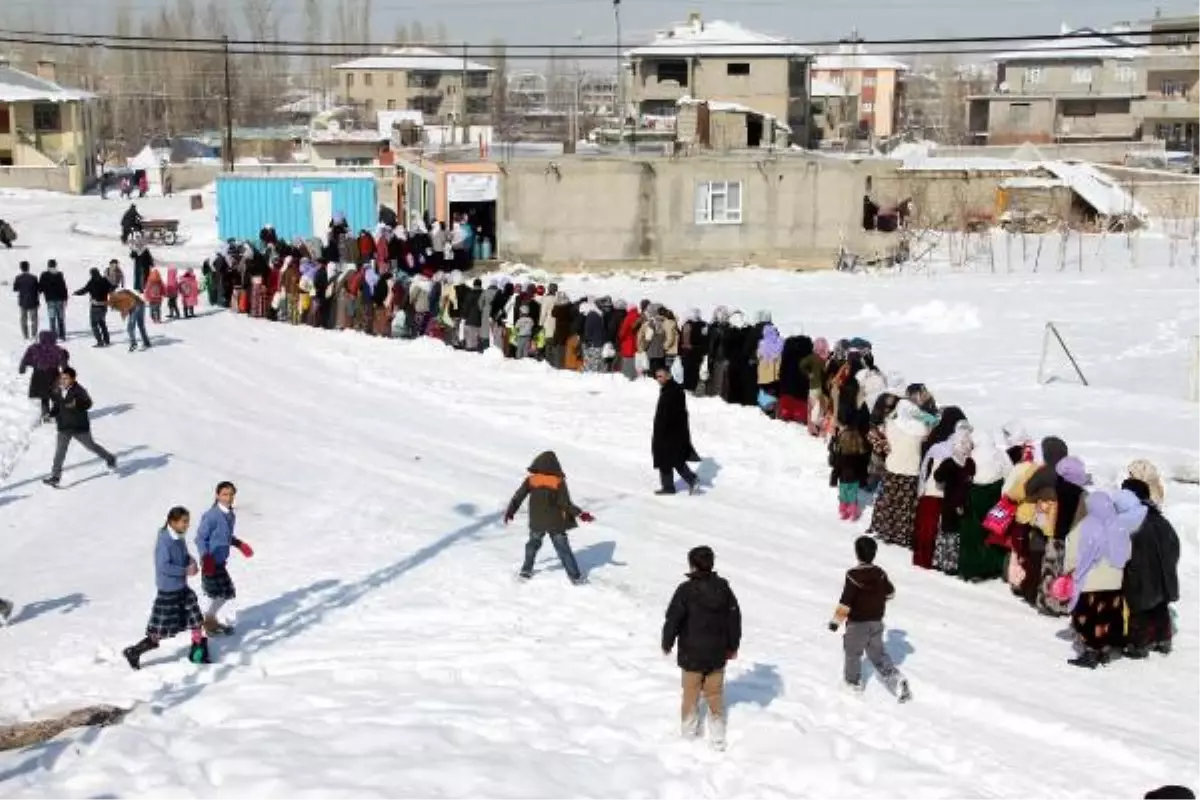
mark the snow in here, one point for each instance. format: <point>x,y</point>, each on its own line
<point>853,56</point>
<point>1100,191</point>
<point>383,648</point>
<point>715,38</point>
<point>17,86</point>
<point>417,59</point>
<point>1081,44</point>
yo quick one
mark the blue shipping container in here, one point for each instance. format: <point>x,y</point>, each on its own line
<point>296,205</point>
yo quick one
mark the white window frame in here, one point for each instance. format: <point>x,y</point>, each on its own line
<point>706,191</point>
<point>1033,74</point>
<point>868,80</point>
<point>1126,73</point>
<point>868,107</point>
<point>1081,75</point>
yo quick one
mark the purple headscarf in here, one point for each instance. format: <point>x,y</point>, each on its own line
<point>1105,533</point>
<point>1072,470</point>
<point>771,345</point>
<point>46,354</point>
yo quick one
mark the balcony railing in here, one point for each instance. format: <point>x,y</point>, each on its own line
<point>1180,108</point>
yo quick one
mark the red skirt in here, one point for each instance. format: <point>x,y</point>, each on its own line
<point>792,409</point>
<point>929,519</point>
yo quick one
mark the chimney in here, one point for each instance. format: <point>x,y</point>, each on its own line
<point>695,22</point>
<point>46,70</point>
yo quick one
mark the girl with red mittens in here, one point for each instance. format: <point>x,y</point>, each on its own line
<point>214,538</point>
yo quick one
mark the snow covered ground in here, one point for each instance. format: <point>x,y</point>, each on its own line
<point>383,649</point>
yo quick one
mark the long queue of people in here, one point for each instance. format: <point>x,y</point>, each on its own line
<point>1025,512</point>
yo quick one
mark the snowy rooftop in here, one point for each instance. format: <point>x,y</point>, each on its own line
<point>716,38</point>
<point>855,56</point>
<point>21,87</point>
<point>734,108</point>
<point>820,88</point>
<point>1080,43</point>
<point>416,59</point>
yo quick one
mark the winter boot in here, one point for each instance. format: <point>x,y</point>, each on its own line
<point>133,347</point>
<point>853,512</point>
<point>693,487</point>
<point>858,686</point>
<point>1088,659</point>
<point>716,732</point>
<point>843,511</point>
<point>665,491</point>
<point>213,627</point>
<point>199,652</point>
<point>1162,647</point>
<point>691,727</point>
<point>1135,652</point>
<point>51,481</point>
<point>134,653</point>
<point>903,693</point>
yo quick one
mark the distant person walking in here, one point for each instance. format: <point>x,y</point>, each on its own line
<point>69,405</point>
<point>25,286</point>
<point>98,289</point>
<point>53,287</point>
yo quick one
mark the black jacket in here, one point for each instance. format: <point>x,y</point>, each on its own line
<point>793,380</point>
<point>865,593</point>
<point>97,288</point>
<point>26,287</point>
<point>550,506</point>
<point>53,286</point>
<point>1152,572</point>
<point>594,333</point>
<point>705,619</point>
<point>671,442</point>
<point>472,311</point>
<point>70,409</point>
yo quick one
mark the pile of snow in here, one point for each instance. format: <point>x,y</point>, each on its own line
<point>932,317</point>
<point>17,418</point>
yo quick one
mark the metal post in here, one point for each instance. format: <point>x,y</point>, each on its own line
<point>228,148</point>
<point>466,128</point>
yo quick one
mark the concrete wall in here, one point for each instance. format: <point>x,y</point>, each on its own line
<point>1098,152</point>
<point>51,179</point>
<point>944,199</point>
<point>1058,77</point>
<point>765,89</point>
<point>1165,194</point>
<point>575,213</point>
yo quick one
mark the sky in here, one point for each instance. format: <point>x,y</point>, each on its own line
<point>559,22</point>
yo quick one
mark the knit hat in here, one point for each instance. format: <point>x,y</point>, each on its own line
<point>1147,473</point>
<point>1072,470</point>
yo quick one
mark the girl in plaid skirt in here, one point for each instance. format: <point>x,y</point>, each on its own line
<point>214,540</point>
<point>176,608</point>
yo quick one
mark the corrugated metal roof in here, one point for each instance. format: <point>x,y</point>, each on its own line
<point>416,59</point>
<point>716,38</point>
<point>20,87</point>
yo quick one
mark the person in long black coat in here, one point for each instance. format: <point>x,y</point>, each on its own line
<point>671,444</point>
<point>1151,581</point>
<point>693,347</point>
<point>733,350</point>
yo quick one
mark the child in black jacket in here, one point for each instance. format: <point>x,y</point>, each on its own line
<point>861,607</point>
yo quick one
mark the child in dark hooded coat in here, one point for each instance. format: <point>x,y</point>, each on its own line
<point>551,512</point>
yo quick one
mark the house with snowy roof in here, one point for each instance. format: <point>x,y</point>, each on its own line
<point>444,88</point>
<point>721,62</point>
<point>46,136</point>
<point>873,78</point>
<point>1080,87</point>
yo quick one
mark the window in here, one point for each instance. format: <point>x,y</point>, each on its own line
<point>868,107</point>
<point>479,105</point>
<point>369,107</point>
<point>719,203</point>
<point>391,106</point>
<point>1018,116</point>
<point>1033,74</point>
<point>1171,87</point>
<point>353,162</point>
<point>1081,75</point>
<point>835,77</point>
<point>426,105</point>
<point>4,119</point>
<point>737,68</point>
<point>674,71</point>
<point>47,117</point>
<point>368,78</point>
<point>477,80</point>
<point>868,80</point>
<point>349,81</point>
<point>1126,74</point>
<point>423,80</point>
<point>391,79</point>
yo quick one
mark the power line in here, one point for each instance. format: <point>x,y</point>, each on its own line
<point>576,46</point>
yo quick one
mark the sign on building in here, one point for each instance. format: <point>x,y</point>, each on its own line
<point>471,187</point>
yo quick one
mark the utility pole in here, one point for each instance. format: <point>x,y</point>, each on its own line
<point>466,128</point>
<point>620,75</point>
<point>228,147</point>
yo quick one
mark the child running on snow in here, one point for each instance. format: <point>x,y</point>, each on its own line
<point>550,512</point>
<point>214,537</point>
<point>153,292</point>
<point>176,608</point>
<point>864,599</point>
<point>172,290</point>
<point>705,619</point>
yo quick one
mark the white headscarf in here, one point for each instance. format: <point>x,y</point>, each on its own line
<point>991,463</point>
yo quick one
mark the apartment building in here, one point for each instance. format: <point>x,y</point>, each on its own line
<point>873,79</point>
<point>444,88</point>
<point>1170,111</point>
<point>1079,88</point>
<point>725,62</point>
<point>47,140</point>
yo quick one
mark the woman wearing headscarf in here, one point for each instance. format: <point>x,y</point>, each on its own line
<point>977,560</point>
<point>1151,577</point>
<point>733,351</point>
<point>953,476</point>
<point>849,455</point>
<point>770,355</point>
<point>793,381</point>
<point>1039,512</point>
<point>928,516</point>
<point>1070,485</point>
<point>1096,553</point>
<point>46,359</point>
<point>717,361</point>
<point>693,347</point>
<point>895,510</point>
<point>814,365</point>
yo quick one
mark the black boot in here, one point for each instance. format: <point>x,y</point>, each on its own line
<point>1162,647</point>
<point>1136,652</point>
<point>134,653</point>
<point>1088,659</point>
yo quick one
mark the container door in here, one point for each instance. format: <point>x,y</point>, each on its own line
<point>322,212</point>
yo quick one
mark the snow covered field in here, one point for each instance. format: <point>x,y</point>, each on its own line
<point>383,648</point>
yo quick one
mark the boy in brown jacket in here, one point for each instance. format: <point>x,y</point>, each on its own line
<point>550,512</point>
<point>861,607</point>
